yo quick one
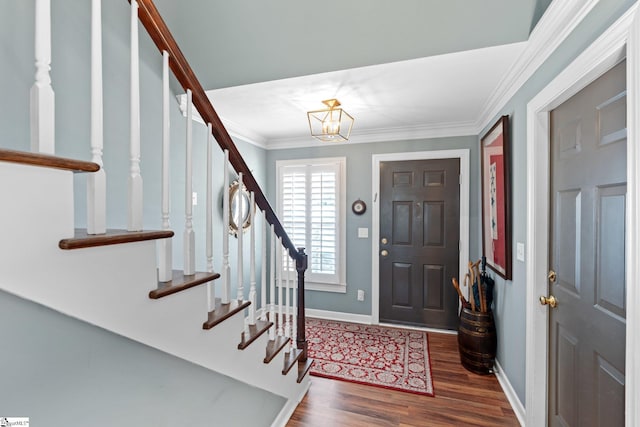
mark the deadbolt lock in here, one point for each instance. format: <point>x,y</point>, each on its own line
<point>384,241</point>
<point>552,276</point>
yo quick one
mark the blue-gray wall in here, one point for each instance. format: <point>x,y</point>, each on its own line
<point>359,177</point>
<point>59,371</point>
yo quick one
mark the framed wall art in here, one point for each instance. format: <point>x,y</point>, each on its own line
<point>496,198</point>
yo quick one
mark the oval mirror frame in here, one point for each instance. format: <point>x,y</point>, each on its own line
<point>239,211</point>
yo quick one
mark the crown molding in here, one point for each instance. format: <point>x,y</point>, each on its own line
<point>439,130</point>
<point>560,19</point>
<point>235,130</point>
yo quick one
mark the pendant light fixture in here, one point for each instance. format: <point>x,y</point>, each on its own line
<point>332,124</point>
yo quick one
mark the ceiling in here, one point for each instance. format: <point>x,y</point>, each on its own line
<point>405,69</point>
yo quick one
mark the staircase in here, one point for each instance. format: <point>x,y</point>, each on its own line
<point>122,280</point>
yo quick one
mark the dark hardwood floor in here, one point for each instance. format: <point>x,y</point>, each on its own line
<point>461,398</point>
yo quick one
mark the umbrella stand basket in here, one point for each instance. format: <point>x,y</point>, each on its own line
<point>477,341</point>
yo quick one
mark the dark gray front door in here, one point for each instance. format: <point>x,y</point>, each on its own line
<point>419,241</point>
<point>587,253</point>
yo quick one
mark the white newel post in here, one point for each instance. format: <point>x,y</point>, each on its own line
<point>263,272</point>
<point>42,96</point>
<point>209,233</point>
<point>252,261</point>
<point>96,181</point>
<point>226,279</point>
<point>272,284</point>
<point>135,179</point>
<point>165,245</point>
<point>189,235</point>
<point>238,221</point>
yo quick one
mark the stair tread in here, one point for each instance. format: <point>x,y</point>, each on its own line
<point>223,312</point>
<point>47,160</point>
<point>290,359</point>
<point>255,331</point>
<point>274,347</point>
<point>82,239</point>
<point>180,282</point>
<point>303,368</point>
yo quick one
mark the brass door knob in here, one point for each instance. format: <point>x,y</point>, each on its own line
<point>384,252</point>
<point>551,301</point>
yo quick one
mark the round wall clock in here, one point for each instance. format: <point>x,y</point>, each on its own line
<point>358,207</point>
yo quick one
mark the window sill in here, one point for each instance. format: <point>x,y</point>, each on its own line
<point>340,288</point>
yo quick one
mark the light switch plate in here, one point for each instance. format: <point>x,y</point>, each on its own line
<point>363,232</point>
<point>520,251</point>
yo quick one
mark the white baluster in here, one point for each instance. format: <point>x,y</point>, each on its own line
<point>252,261</point>
<point>165,245</point>
<point>211,296</point>
<point>42,96</point>
<point>189,235</point>
<point>280,315</point>
<point>263,272</point>
<point>135,179</point>
<point>226,279</point>
<point>287,323</point>
<point>272,284</point>
<point>97,181</point>
<point>238,221</point>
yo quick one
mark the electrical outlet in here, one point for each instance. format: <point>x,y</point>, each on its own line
<point>360,295</point>
<point>194,198</point>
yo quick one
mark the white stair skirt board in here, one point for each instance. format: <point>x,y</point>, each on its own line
<point>108,286</point>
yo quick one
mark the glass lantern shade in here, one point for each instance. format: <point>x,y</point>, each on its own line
<point>330,125</point>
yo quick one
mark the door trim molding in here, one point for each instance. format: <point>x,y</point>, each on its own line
<point>602,55</point>
<point>461,154</point>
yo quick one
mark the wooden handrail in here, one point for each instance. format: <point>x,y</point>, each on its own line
<point>161,36</point>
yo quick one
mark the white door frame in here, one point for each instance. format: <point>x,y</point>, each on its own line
<point>612,46</point>
<point>463,155</point>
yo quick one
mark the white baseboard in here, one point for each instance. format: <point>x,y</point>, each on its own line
<point>512,397</point>
<point>337,315</point>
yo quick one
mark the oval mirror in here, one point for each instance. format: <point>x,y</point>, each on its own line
<point>239,211</point>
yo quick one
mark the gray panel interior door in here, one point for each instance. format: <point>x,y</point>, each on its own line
<point>419,242</point>
<point>587,253</point>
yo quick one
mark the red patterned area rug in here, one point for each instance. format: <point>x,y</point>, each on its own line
<point>380,356</point>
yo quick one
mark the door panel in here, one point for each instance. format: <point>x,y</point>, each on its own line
<point>433,287</point>
<point>587,252</point>
<point>401,285</point>
<point>419,217</point>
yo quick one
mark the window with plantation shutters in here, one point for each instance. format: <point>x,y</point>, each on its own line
<point>311,209</point>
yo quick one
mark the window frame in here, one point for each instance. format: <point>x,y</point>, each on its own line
<point>312,281</point>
